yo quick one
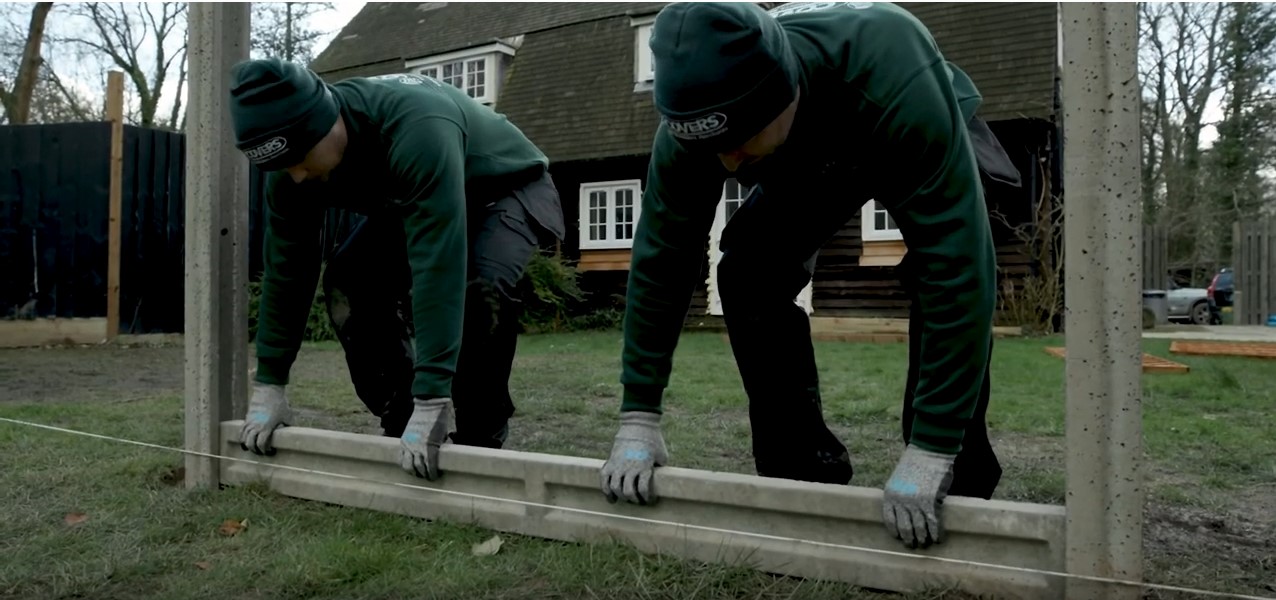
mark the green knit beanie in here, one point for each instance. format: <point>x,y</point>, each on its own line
<point>280,111</point>
<point>724,71</point>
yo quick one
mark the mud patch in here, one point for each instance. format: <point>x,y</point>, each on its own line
<point>74,374</point>
<point>1217,551</point>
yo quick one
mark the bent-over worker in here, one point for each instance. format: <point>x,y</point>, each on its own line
<point>440,202</point>
<point>817,108</point>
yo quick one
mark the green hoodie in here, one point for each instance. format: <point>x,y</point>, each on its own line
<point>871,75</point>
<point>419,150</point>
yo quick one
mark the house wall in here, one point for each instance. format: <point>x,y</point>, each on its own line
<point>604,272</point>
<point>843,285</point>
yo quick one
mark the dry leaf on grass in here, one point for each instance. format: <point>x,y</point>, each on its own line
<point>231,527</point>
<point>488,548</point>
<point>75,518</point>
<point>203,565</point>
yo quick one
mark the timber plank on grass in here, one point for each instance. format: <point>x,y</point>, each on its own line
<point>29,333</point>
<point>1151,364</point>
<point>1246,349</point>
<point>879,330</point>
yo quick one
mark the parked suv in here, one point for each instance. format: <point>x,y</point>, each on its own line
<point>1222,288</point>
<point>1189,304</point>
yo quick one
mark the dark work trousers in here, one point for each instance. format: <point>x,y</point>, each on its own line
<point>759,280</point>
<point>768,250</point>
<point>367,283</point>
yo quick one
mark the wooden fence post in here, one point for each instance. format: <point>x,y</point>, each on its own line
<point>1238,254</point>
<point>114,114</point>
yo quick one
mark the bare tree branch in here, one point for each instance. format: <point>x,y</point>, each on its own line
<point>136,38</point>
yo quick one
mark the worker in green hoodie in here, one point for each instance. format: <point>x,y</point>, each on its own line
<point>817,108</point>
<point>424,207</point>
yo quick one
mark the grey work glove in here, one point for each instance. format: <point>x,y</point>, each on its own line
<point>267,410</point>
<point>914,496</point>
<point>638,448</point>
<point>427,429</point>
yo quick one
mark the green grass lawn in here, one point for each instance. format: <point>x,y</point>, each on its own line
<point>1209,439</point>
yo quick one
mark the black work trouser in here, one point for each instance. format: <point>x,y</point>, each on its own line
<point>367,283</point>
<point>768,257</point>
<point>769,249</point>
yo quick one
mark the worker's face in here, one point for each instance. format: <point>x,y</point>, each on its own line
<point>763,144</point>
<point>323,158</point>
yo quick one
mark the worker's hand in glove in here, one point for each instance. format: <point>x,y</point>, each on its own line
<point>427,429</point>
<point>638,448</point>
<point>914,495</point>
<point>267,410</point>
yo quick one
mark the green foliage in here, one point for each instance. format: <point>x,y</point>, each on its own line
<point>556,302</point>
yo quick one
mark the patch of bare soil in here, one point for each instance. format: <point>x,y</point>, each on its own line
<point>1227,545</point>
<point>122,373</point>
<point>1228,551</point>
<point>70,374</point>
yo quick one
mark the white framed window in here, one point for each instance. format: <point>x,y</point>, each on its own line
<point>476,70</point>
<point>644,67</point>
<point>469,75</point>
<point>733,195</point>
<point>609,213</point>
<point>876,224</point>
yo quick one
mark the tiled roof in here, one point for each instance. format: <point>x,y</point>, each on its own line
<point>1010,50</point>
<point>407,30</point>
<point>570,86</point>
<point>572,91</point>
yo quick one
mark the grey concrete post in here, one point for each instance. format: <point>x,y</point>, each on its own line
<point>216,330</point>
<point>1103,238</point>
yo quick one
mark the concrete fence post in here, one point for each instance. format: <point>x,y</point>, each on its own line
<point>1103,238</point>
<point>216,330</point>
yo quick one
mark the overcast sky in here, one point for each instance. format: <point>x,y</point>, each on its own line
<point>86,70</point>
<point>334,20</point>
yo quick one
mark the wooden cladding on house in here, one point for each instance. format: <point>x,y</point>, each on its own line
<point>883,254</point>
<point>604,260</point>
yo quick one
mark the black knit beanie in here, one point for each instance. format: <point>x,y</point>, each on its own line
<point>724,71</point>
<point>280,111</point>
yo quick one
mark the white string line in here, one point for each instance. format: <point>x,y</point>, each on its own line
<point>956,561</point>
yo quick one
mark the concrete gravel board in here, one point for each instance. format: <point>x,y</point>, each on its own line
<point>998,532</point>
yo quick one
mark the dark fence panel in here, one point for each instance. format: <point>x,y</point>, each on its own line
<point>54,223</point>
<point>53,219</point>
<point>1254,257</point>
<point>54,211</point>
<point>152,241</point>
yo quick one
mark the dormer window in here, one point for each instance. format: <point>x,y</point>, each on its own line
<point>478,71</point>
<point>644,67</point>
